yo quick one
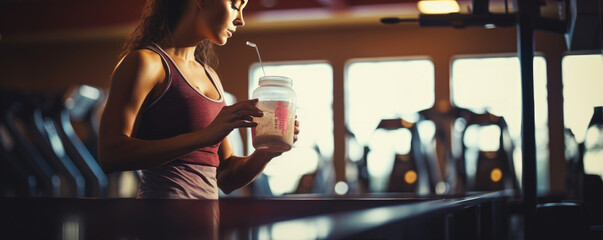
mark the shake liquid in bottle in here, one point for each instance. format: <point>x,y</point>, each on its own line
<point>276,99</point>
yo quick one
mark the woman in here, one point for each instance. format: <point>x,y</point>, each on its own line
<point>165,112</point>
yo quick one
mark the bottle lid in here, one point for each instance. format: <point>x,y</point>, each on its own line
<point>276,80</point>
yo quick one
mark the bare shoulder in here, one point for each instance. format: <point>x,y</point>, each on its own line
<point>139,65</point>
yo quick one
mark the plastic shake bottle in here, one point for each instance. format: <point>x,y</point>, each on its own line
<point>276,99</point>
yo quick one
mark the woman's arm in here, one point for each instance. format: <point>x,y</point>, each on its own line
<point>236,172</point>
<point>133,81</point>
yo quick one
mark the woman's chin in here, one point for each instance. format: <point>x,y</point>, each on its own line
<point>220,42</point>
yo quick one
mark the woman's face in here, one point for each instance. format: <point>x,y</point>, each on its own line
<point>221,19</point>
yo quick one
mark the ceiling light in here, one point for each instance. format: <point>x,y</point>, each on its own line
<point>438,6</point>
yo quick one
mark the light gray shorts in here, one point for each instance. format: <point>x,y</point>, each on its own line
<point>179,180</point>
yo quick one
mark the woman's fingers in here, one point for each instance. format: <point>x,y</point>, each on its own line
<point>244,110</point>
<point>245,105</point>
<point>243,123</point>
<point>242,113</point>
<point>295,130</point>
<point>247,113</point>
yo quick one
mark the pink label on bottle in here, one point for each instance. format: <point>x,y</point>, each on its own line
<point>281,113</point>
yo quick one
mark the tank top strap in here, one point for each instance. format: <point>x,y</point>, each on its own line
<point>164,57</point>
<point>168,67</point>
<point>215,80</point>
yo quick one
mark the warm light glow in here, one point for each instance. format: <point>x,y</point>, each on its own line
<point>494,84</point>
<point>582,87</point>
<point>438,6</point>
<point>408,81</point>
<point>495,175</point>
<point>410,177</point>
<point>407,124</point>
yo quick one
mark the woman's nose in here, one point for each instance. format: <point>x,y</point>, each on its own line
<point>239,21</point>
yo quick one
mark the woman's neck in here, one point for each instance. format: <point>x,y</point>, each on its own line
<point>186,53</point>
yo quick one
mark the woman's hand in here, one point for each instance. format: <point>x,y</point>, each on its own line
<point>238,115</point>
<point>236,172</point>
<point>296,130</point>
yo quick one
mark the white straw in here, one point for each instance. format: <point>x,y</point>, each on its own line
<point>258,51</point>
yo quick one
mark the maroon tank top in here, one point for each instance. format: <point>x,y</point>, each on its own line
<point>181,109</point>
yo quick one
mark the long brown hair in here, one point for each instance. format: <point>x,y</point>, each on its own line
<point>157,22</point>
